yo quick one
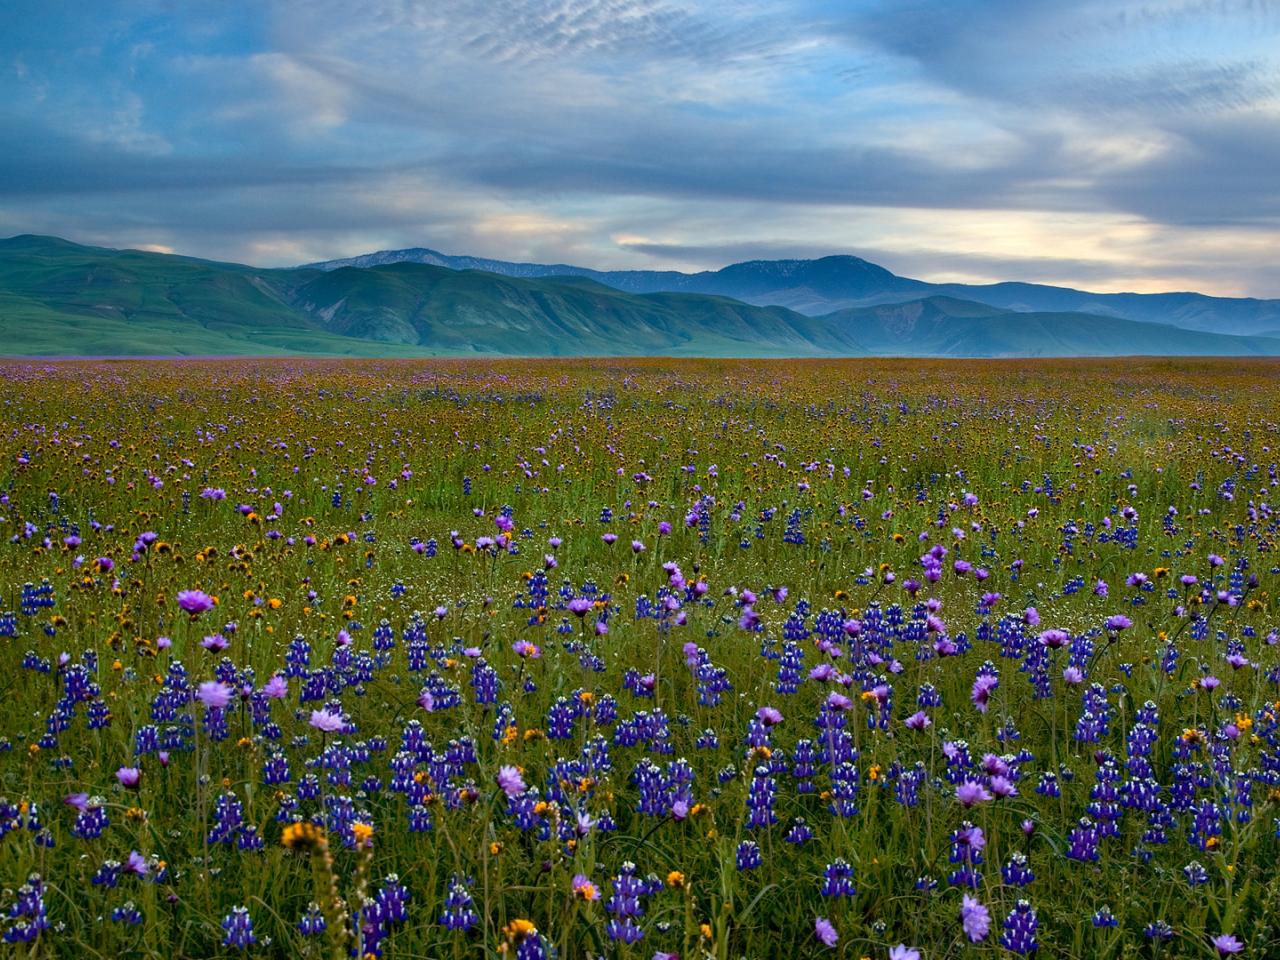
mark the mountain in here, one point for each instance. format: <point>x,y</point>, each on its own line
<point>816,287</point>
<point>475,312</point>
<point>820,285</point>
<point>61,298</point>
<point>58,297</point>
<point>940,326</point>
<point>633,281</point>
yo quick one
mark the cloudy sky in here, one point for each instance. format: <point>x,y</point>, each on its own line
<point>1109,144</point>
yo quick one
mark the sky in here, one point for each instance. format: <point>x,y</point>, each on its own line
<point>1104,144</point>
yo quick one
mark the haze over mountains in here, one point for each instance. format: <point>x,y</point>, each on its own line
<point>62,298</point>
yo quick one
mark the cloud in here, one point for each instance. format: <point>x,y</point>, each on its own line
<point>305,97</point>
<point>1120,143</point>
<point>1113,55</point>
<point>533,33</point>
<point>1218,170</point>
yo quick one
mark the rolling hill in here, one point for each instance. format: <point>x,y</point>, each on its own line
<point>940,326</point>
<point>817,287</point>
<point>58,298</point>
<point>61,298</point>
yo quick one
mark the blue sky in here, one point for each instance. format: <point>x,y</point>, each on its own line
<point>1112,145</point>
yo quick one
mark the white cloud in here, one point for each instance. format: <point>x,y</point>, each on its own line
<point>1113,143</point>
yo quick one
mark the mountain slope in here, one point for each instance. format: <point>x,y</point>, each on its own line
<point>1193,311</point>
<point>820,286</point>
<point>633,281</point>
<point>472,311</point>
<point>946,327</point>
<point>61,298</point>
<point>58,297</point>
<point>140,286</point>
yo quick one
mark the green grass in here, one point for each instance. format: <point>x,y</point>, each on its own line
<point>107,451</point>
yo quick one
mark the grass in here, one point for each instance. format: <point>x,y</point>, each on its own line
<point>413,525</point>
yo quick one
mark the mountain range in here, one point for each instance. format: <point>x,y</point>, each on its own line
<point>63,298</point>
<point>817,287</point>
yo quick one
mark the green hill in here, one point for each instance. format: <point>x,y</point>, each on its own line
<point>58,297</point>
<point>817,287</point>
<point>947,327</point>
<point>61,298</point>
<point>474,312</point>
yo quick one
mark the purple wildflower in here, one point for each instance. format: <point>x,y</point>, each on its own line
<point>194,601</point>
<point>825,931</point>
<point>975,918</point>
<point>511,781</point>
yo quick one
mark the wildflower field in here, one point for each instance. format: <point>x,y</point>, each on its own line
<point>639,659</point>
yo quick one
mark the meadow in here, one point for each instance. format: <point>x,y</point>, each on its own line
<point>639,659</point>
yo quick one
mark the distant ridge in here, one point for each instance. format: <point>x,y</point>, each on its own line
<point>820,286</point>
<point>59,298</point>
